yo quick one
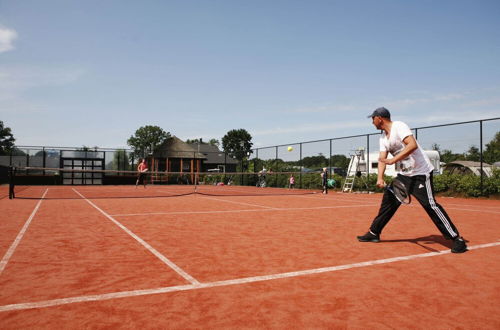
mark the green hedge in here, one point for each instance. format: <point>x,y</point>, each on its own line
<point>467,185</point>
<point>445,184</point>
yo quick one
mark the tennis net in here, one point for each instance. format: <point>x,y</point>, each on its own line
<point>63,183</point>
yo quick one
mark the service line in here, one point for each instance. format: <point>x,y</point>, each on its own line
<point>151,249</point>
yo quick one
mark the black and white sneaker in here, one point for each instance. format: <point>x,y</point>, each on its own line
<point>369,237</point>
<point>459,245</point>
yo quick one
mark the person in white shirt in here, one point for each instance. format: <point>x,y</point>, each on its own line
<point>414,171</point>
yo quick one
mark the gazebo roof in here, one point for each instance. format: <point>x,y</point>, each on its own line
<point>174,147</point>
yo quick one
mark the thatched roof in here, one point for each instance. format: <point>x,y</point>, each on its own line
<point>213,154</point>
<point>174,147</point>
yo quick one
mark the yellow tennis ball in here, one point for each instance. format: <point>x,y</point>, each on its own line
<point>290,148</point>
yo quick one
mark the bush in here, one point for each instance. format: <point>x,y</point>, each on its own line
<point>467,185</point>
<point>446,184</point>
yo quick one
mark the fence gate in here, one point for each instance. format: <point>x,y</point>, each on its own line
<point>82,160</point>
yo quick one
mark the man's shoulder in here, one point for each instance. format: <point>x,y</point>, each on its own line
<point>399,123</point>
<point>401,127</point>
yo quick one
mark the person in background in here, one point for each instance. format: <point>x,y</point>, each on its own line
<point>142,168</point>
<point>291,182</point>
<point>324,180</point>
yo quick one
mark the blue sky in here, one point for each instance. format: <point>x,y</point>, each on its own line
<point>91,72</point>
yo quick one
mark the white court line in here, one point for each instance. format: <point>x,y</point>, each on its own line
<point>20,235</point>
<point>242,203</point>
<point>160,256</point>
<point>253,279</point>
<point>479,211</point>
<point>361,197</point>
<point>246,210</point>
<point>457,208</point>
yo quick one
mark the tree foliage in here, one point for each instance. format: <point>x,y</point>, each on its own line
<point>491,153</point>
<point>146,139</point>
<point>120,160</point>
<point>213,142</point>
<point>237,143</point>
<point>6,139</point>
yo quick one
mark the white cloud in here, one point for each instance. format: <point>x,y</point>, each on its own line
<point>487,102</point>
<point>19,78</point>
<point>7,37</point>
<point>397,104</point>
<point>311,127</point>
<point>16,81</point>
<point>439,117</point>
<point>325,108</point>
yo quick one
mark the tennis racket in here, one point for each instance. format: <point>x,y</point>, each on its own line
<point>398,189</point>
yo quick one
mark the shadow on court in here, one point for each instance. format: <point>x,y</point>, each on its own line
<point>426,241</point>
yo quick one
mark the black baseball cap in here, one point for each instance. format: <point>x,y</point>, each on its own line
<point>380,112</point>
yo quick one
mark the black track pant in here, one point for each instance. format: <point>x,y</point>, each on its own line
<point>420,186</point>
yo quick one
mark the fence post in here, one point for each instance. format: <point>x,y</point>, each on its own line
<point>276,160</point>
<point>301,165</point>
<point>330,159</point>
<point>481,152</point>
<point>43,159</point>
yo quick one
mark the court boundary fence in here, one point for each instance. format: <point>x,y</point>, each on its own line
<point>244,164</point>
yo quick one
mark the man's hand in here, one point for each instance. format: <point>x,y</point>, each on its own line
<point>387,161</point>
<point>380,183</point>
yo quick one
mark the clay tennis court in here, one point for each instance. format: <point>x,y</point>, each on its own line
<point>267,261</point>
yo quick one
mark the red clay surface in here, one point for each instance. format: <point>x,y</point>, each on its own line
<point>74,267</point>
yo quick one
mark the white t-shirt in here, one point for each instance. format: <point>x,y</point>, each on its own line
<point>417,163</point>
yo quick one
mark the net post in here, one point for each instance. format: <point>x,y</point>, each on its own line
<point>195,169</point>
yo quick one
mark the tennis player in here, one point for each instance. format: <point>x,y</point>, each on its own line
<point>142,168</point>
<point>414,171</point>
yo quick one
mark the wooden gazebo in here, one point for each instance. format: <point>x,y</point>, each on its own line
<point>175,155</point>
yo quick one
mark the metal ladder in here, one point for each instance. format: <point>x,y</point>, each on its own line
<point>351,175</point>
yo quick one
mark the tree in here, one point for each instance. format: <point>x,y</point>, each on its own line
<point>146,139</point>
<point>473,154</point>
<point>447,156</point>
<point>6,139</point>
<point>200,141</point>
<point>340,161</point>
<point>214,142</point>
<point>491,153</point>
<point>237,143</point>
<point>315,161</point>
<point>120,160</point>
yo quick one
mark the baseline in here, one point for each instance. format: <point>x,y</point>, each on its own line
<point>135,293</point>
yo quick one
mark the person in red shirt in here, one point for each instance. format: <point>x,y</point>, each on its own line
<point>142,168</point>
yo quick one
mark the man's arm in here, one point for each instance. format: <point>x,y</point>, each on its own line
<point>410,146</point>
<point>381,168</point>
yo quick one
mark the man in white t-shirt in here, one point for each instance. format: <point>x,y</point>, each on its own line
<point>414,171</point>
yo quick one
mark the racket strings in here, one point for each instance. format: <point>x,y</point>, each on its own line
<point>400,190</point>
